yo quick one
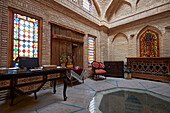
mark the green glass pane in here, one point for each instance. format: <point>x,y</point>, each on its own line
<point>15,49</point>
<point>15,38</point>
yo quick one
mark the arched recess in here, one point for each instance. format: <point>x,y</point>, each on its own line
<point>119,47</point>
<point>148,42</point>
<point>143,4</point>
<point>114,7</point>
<point>124,9</point>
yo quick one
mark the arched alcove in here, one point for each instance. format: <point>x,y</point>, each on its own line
<point>148,42</point>
<point>142,4</point>
<point>119,48</point>
<point>124,9</point>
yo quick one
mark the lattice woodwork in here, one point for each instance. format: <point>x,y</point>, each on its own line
<point>150,68</point>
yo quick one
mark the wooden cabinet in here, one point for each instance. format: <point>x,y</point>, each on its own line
<point>114,68</point>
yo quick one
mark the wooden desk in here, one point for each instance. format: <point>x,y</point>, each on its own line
<point>31,82</point>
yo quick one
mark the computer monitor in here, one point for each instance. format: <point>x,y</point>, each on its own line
<point>27,62</point>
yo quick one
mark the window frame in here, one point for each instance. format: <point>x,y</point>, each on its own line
<point>11,34</point>
<point>94,47</point>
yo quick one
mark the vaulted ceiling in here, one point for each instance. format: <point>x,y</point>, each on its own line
<point>107,8</point>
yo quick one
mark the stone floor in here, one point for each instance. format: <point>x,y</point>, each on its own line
<point>79,96</point>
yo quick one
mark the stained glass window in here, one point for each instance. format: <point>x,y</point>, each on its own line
<point>74,1</point>
<point>87,5</point>
<point>91,50</point>
<point>25,41</point>
<point>149,44</point>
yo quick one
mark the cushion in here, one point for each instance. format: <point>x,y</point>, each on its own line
<point>102,65</point>
<point>100,71</point>
<point>95,64</point>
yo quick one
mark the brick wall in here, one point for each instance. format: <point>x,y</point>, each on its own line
<point>133,31</point>
<point>49,11</point>
<point>3,32</point>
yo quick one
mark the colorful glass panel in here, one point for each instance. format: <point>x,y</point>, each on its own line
<point>25,37</point>
<point>91,50</point>
<point>87,5</point>
<point>74,1</point>
<point>149,44</point>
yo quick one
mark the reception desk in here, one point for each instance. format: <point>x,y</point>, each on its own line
<point>150,68</point>
<point>31,81</point>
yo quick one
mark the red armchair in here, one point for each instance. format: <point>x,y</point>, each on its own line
<point>98,68</point>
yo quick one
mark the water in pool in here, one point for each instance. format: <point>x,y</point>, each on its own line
<point>123,100</point>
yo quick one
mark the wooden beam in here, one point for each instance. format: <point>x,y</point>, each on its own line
<point>61,37</point>
<point>81,32</point>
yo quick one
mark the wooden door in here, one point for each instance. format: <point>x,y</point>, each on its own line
<point>55,52</point>
<point>77,54</point>
<point>68,42</point>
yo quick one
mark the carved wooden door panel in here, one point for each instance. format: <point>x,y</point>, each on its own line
<point>77,54</point>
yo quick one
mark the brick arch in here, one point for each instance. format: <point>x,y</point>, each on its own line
<point>119,47</point>
<point>120,33</point>
<point>151,27</point>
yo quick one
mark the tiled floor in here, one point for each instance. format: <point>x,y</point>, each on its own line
<point>79,96</point>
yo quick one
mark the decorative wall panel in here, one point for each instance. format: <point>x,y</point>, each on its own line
<point>149,44</point>
<point>29,79</point>
<point>52,76</point>
<point>4,83</point>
